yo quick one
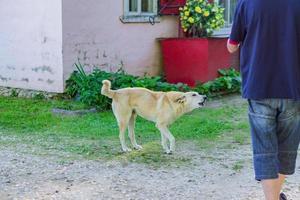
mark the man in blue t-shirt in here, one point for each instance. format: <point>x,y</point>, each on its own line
<point>268,35</point>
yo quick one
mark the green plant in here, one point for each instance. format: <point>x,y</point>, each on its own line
<point>14,93</point>
<point>238,166</point>
<point>240,138</point>
<point>39,96</point>
<point>228,82</point>
<point>199,18</point>
<point>86,87</point>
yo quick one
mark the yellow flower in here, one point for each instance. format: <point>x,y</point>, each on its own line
<point>198,9</point>
<point>191,20</point>
<point>206,13</point>
<point>186,13</point>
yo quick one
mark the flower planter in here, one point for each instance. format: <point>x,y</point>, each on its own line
<point>168,7</point>
<point>194,60</point>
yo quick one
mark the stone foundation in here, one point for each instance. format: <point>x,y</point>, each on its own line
<point>17,92</point>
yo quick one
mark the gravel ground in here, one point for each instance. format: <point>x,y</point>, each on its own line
<point>210,175</point>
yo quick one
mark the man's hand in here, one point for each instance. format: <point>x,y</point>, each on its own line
<point>232,46</point>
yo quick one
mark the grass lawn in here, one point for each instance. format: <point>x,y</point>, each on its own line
<point>95,135</point>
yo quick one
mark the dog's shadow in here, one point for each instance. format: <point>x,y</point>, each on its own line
<point>153,155</point>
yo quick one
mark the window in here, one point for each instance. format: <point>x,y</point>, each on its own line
<point>139,10</point>
<point>229,6</point>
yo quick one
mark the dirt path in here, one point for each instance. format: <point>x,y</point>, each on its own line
<point>212,175</point>
<point>223,172</point>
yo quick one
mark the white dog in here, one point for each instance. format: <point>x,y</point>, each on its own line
<point>163,108</point>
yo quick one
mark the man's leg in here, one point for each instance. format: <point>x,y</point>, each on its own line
<point>288,138</point>
<point>263,123</point>
<point>273,187</point>
<point>288,134</point>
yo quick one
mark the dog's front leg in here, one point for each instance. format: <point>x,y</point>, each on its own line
<point>167,134</point>
<point>164,143</point>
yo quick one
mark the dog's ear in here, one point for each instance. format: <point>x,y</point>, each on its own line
<point>181,99</point>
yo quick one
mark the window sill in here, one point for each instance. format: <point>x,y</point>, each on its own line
<point>140,19</point>
<point>224,32</point>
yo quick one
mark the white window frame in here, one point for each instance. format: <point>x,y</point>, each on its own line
<point>139,16</point>
<point>225,31</point>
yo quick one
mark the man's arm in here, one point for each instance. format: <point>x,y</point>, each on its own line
<point>232,46</point>
<point>238,29</point>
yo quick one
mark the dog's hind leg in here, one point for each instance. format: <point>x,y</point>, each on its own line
<point>164,143</point>
<point>122,117</point>
<point>131,131</point>
<point>167,134</point>
<point>122,129</point>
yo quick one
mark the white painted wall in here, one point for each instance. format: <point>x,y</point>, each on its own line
<point>31,44</point>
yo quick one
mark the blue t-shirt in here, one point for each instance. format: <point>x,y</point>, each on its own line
<point>269,34</point>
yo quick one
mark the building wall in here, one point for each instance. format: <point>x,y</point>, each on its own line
<point>31,44</point>
<point>93,33</point>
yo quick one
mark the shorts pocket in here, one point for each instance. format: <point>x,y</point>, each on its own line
<point>262,108</point>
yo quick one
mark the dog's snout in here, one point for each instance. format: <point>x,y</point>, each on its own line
<point>204,98</point>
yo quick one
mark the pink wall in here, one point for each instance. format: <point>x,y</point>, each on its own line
<point>93,32</point>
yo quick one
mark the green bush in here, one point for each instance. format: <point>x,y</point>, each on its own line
<point>86,87</point>
<point>228,82</point>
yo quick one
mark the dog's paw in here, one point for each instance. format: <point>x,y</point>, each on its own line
<point>126,150</point>
<point>169,152</point>
<point>138,147</point>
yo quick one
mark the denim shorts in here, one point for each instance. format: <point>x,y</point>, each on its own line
<point>275,131</point>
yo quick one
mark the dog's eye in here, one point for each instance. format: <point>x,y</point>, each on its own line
<point>194,95</point>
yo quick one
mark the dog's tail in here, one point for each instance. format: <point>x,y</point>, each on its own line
<point>106,89</point>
